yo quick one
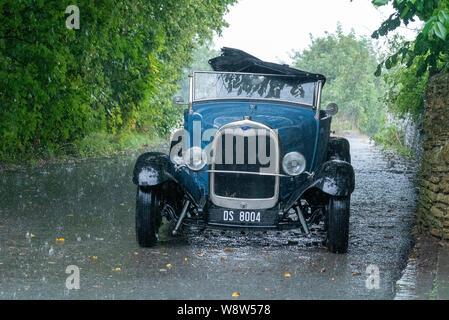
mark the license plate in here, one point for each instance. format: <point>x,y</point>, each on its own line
<point>242,217</point>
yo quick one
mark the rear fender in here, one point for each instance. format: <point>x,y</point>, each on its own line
<point>338,148</point>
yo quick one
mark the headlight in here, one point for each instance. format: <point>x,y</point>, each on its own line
<point>294,163</point>
<point>195,158</point>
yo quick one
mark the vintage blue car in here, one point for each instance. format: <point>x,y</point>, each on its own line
<point>255,152</point>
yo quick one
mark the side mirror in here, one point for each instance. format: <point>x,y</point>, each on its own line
<point>178,100</point>
<point>332,109</point>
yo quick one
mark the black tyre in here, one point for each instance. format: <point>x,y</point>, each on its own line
<point>338,224</point>
<point>148,216</point>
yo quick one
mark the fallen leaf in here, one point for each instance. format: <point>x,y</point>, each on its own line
<point>287,275</point>
<point>212,250</point>
<point>169,266</point>
<point>94,257</point>
<point>228,249</point>
<point>32,235</point>
<point>99,239</point>
<point>236,294</point>
<point>388,237</point>
<point>201,254</point>
<point>223,259</point>
<point>51,262</point>
<point>332,279</point>
<point>117,269</point>
<point>323,270</point>
<point>356,274</point>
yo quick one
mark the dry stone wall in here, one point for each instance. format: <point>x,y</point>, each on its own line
<point>433,211</point>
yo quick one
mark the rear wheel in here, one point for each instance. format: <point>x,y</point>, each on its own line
<point>338,224</point>
<point>148,215</point>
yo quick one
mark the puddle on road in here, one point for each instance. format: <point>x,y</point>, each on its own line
<point>269,238</point>
<point>91,205</point>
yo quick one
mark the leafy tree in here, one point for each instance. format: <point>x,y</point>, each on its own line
<point>348,64</point>
<point>431,42</point>
<point>405,87</point>
<point>116,72</point>
<point>200,62</point>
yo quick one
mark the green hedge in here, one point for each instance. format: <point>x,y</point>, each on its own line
<point>117,72</point>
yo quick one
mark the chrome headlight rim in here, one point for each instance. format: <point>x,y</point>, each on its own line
<point>198,156</point>
<point>287,163</point>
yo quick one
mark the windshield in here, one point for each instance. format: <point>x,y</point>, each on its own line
<point>213,85</point>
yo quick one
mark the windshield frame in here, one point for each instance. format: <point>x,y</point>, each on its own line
<point>316,96</point>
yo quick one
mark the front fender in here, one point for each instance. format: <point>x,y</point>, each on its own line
<point>334,177</point>
<point>155,168</point>
<point>150,169</point>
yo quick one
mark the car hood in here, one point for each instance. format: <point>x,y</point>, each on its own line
<point>295,125</point>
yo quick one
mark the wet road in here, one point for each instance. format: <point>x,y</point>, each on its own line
<point>82,214</point>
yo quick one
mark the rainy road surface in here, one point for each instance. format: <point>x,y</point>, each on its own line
<point>82,214</point>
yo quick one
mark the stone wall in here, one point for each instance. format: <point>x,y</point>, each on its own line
<point>433,212</point>
<point>412,130</point>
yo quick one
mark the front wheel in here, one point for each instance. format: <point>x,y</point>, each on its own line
<point>338,224</point>
<point>148,216</point>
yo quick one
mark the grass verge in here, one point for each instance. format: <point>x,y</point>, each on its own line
<point>96,144</point>
<point>392,138</point>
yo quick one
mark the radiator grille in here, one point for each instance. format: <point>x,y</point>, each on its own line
<point>246,158</point>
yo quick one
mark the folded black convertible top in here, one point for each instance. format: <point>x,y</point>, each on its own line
<point>235,60</point>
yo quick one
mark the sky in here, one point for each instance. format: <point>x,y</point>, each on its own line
<point>271,29</point>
